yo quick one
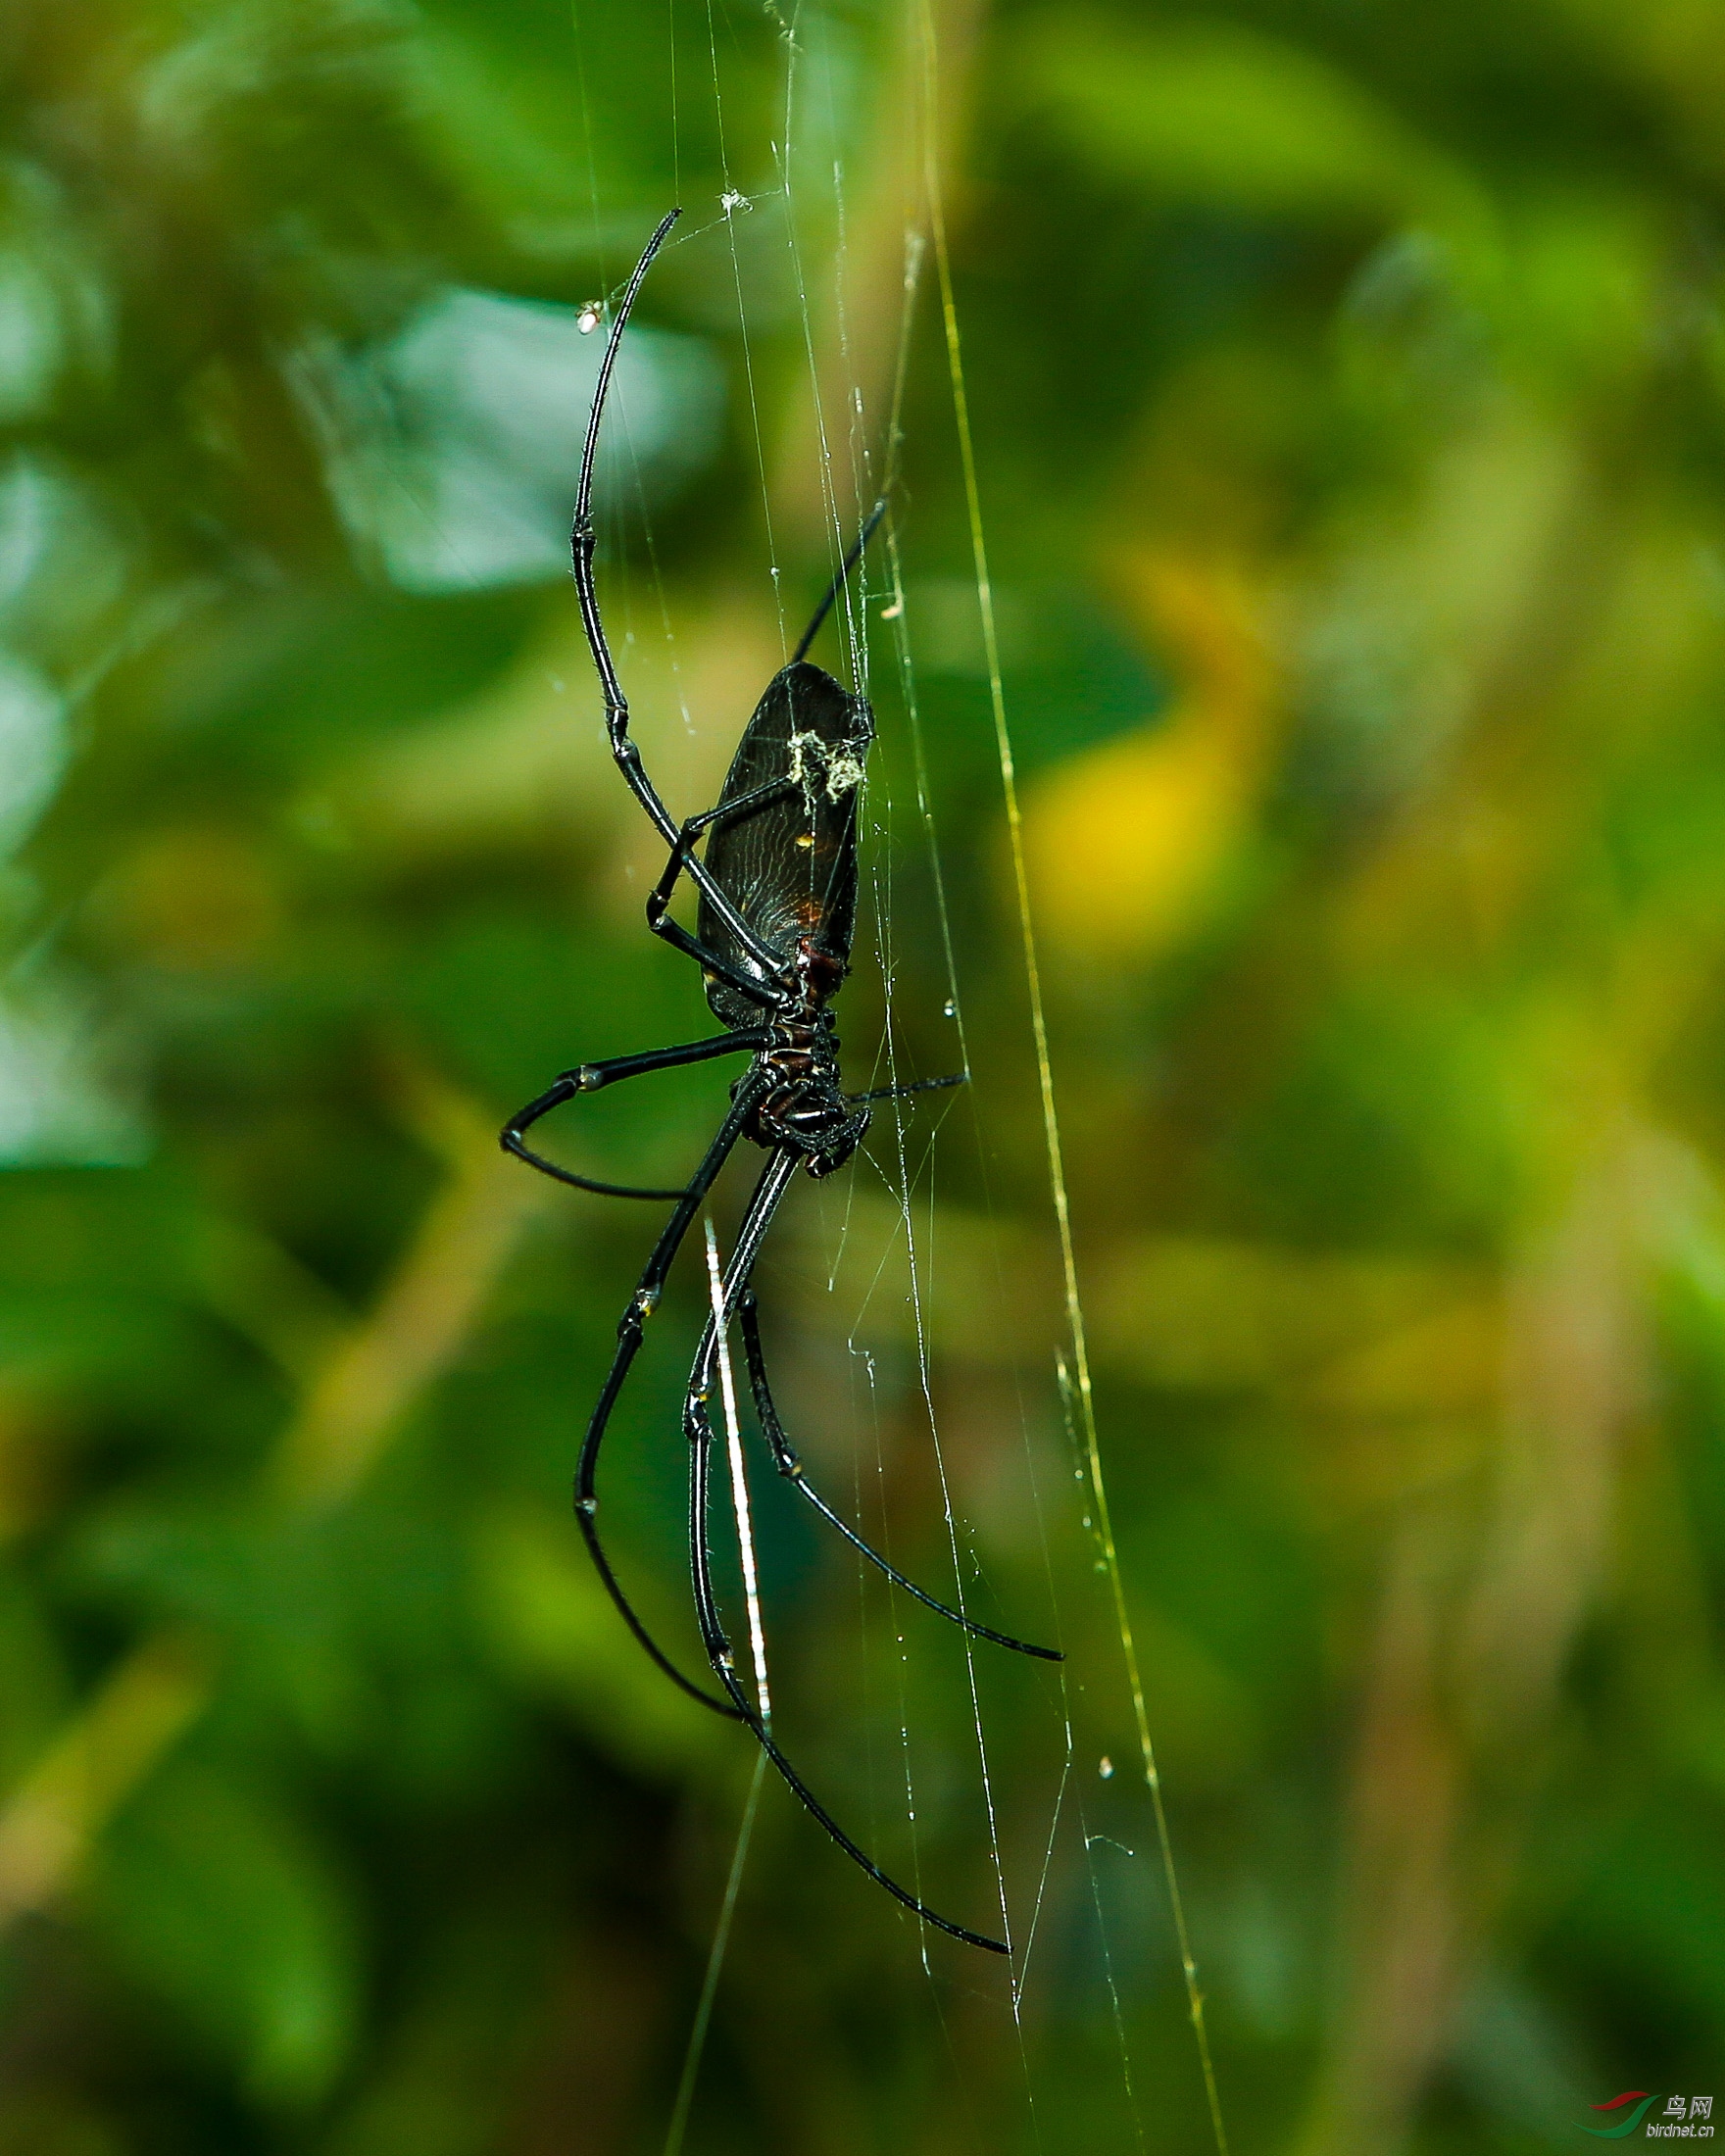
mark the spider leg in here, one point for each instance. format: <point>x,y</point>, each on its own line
<point>628,1344</point>
<point>590,1078</point>
<point>838,583</point>
<point>763,1203</point>
<point>660,920</point>
<point>762,1207</point>
<point>582,540</point>
<point>784,1458</point>
<point>680,855</point>
<point>683,858</point>
<point>900,1093</point>
<point>719,1652</point>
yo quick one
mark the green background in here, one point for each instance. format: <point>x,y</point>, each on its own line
<point>1349,393</point>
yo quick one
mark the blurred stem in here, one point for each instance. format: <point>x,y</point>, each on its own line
<point>427,1312</point>
<point>354,1403</point>
<point>1477,1618</point>
<point>1486,1592</point>
<point>94,1765</point>
<point>859,307</point>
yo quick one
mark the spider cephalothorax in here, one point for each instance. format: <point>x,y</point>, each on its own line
<point>778,915</point>
<point>808,1110</point>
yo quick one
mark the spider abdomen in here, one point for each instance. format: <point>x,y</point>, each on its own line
<point>788,862</point>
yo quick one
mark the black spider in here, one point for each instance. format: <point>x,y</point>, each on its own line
<point>777,913</point>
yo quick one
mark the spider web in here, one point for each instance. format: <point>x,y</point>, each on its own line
<point>855,457</point>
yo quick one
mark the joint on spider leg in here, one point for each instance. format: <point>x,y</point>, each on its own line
<point>587,1507</point>
<point>632,1323</point>
<point>784,1453</point>
<point>587,1078</point>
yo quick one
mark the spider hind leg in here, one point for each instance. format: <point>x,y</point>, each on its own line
<point>629,1331</point>
<point>785,1459</point>
<point>719,1653</point>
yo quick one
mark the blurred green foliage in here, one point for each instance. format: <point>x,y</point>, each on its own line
<point>1348,387</point>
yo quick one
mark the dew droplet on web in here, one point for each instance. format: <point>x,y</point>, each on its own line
<point>948,1009</point>
<point>1107,1768</point>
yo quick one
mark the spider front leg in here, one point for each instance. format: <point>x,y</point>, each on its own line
<point>757,989</point>
<point>840,579</point>
<point>682,860</point>
<point>582,540</point>
<point>785,1459</point>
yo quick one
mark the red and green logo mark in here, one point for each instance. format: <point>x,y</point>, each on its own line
<point>1684,2118</point>
<point>1627,2125</point>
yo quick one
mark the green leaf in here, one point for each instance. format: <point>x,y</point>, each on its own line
<point>554,1631</point>
<point>214,1898</point>
<point>1213,113</point>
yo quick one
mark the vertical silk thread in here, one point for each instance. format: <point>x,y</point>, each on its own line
<point>685,2098</point>
<point>1045,1073</point>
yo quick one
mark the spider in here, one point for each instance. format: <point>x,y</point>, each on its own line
<point>778,913</point>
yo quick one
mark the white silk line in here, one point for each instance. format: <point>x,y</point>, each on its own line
<point>739,1479</point>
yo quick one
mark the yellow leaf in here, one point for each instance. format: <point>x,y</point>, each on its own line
<point>1124,840</point>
